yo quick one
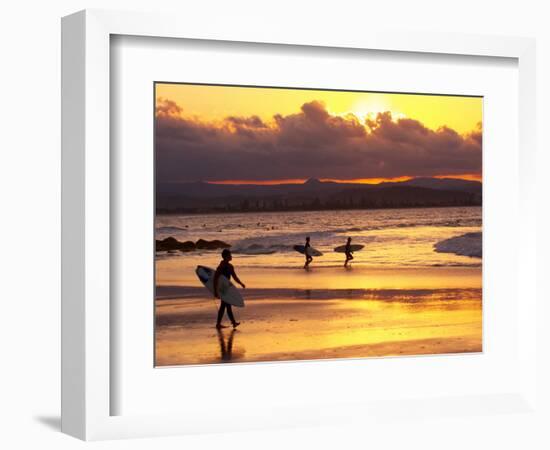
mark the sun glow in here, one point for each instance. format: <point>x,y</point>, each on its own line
<point>465,176</point>
<point>368,109</point>
<point>368,180</point>
<point>214,103</point>
<point>259,182</point>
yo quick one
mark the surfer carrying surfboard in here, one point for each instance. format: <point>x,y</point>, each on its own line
<point>226,269</point>
<point>307,253</point>
<point>348,252</point>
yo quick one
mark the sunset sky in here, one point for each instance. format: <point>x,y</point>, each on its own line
<point>264,135</point>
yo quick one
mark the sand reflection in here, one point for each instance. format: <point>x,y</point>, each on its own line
<point>226,341</point>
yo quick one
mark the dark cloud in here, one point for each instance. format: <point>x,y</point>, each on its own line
<point>310,143</point>
<point>246,122</point>
<point>166,108</point>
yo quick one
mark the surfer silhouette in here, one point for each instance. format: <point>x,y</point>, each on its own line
<point>226,269</point>
<point>307,251</point>
<point>348,252</point>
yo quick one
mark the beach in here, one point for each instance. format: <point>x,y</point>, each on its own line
<point>400,313</point>
<point>399,297</point>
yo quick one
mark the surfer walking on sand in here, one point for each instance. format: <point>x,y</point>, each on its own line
<point>226,269</point>
<point>307,253</point>
<point>348,252</point>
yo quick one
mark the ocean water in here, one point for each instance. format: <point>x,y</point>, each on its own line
<point>392,237</point>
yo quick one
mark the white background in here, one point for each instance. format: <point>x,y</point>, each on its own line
<point>29,143</point>
<point>141,389</point>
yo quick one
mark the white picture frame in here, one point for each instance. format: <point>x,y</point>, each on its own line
<point>86,224</point>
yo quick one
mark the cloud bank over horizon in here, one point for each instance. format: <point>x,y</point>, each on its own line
<point>312,143</point>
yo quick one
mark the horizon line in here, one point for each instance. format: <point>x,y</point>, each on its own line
<point>373,181</point>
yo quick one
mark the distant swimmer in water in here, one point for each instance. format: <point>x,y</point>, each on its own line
<point>348,252</point>
<point>227,270</point>
<point>307,251</point>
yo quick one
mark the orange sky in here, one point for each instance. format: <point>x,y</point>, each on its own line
<point>216,102</point>
<point>465,176</point>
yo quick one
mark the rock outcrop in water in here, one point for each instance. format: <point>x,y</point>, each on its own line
<point>171,244</point>
<point>211,245</point>
<point>469,244</point>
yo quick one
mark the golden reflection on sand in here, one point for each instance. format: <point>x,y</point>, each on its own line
<point>172,273</point>
<point>301,328</point>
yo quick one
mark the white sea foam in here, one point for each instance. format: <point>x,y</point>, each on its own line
<point>468,244</point>
<point>392,238</point>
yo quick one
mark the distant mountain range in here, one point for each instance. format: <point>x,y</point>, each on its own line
<point>201,197</point>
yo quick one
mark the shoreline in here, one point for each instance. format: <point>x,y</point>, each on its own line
<point>175,273</point>
<point>292,327</point>
<point>300,210</point>
<point>326,312</point>
<point>257,294</point>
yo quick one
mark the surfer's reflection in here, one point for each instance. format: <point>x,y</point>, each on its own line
<point>226,346</point>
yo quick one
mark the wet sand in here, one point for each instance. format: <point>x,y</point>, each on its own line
<point>326,313</point>
<point>173,272</point>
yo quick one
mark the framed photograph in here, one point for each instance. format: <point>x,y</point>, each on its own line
<point>288,215</point>
<point>356,225</point>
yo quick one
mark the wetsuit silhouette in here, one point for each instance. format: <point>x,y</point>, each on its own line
<point>226,269</point>
<point>309,258</point>
<point>349,255</point>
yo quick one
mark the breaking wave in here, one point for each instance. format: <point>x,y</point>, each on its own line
<point>469,244</point>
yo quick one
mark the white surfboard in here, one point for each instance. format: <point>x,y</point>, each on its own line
<point>310,251</point>
<point>227,290</point>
